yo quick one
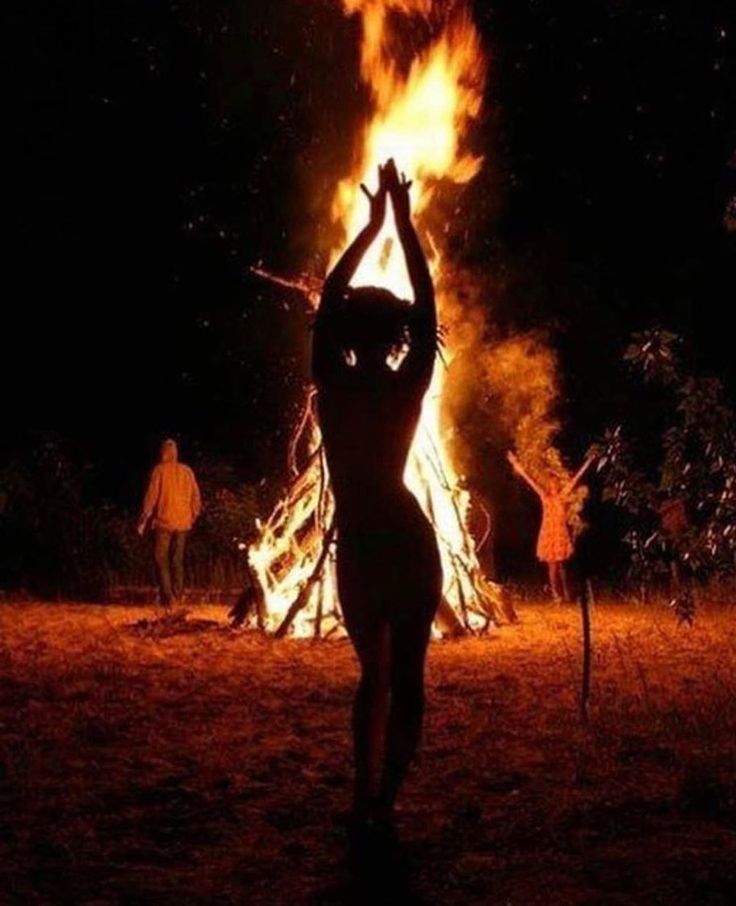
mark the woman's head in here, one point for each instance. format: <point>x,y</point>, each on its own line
<point>373,326</point>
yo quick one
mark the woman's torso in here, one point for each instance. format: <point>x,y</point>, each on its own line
<point>554,511</point>
<point>554,543</point>
<point>367,433</point>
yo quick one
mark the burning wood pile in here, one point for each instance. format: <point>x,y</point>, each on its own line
<point>422,115</point>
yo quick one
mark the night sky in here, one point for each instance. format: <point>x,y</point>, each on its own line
<point>160,149</point>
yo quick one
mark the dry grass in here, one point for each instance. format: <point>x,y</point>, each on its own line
<point>212,767</point>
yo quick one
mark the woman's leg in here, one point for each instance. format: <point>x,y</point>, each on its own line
<point>553,579</point>
<point>417,590</point>
<point>388,614</point>
<point>360,601</point>
<point>406,713</point>
<point>563,582</point>
<point>370,709</point>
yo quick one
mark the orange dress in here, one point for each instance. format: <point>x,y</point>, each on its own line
<point>554,544</point>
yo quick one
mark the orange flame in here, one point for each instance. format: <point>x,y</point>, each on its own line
<point>421,117</point>
<point>420,120</point>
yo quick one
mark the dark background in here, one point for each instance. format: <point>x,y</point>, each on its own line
<point>159,149</point>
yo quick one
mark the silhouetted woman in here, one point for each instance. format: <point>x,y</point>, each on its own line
<point>373,356</point>
<point>554,545</point>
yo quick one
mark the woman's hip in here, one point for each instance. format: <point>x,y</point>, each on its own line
<point>397,534</point>
<point>390,569</point>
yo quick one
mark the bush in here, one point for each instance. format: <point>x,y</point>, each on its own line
<point>58,543</point>
<point>681,505</point>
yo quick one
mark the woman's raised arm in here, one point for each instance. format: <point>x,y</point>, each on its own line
<point>342,273</point>
<point>424,320</point>
<point>572,484</point>
<point>522,473</point>
<point>325,354</point>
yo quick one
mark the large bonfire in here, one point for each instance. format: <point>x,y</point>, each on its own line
<point>421,116</point>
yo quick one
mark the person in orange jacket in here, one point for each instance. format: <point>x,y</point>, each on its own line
<point>172,505</point>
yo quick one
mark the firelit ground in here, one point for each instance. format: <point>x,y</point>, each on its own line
<point>178,762</point>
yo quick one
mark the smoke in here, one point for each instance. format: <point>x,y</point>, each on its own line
<point>500,391</point>
<point>521,375</point>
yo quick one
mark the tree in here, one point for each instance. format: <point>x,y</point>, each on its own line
<point>681,504</point>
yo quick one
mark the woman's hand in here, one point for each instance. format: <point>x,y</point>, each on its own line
<point>377,201</point>
<point>398,188</point>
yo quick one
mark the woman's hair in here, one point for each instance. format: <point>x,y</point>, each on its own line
<point>372,316</point>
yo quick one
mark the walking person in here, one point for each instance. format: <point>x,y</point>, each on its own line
<point>172,505</point>
<point>555,545</point>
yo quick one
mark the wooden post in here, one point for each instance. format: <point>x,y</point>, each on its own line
<point>318,615</point>
<point>585,596</point>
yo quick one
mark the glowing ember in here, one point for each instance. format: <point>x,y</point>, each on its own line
<point>421,118</point>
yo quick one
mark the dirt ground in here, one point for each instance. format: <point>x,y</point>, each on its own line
<point>213,767</point>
